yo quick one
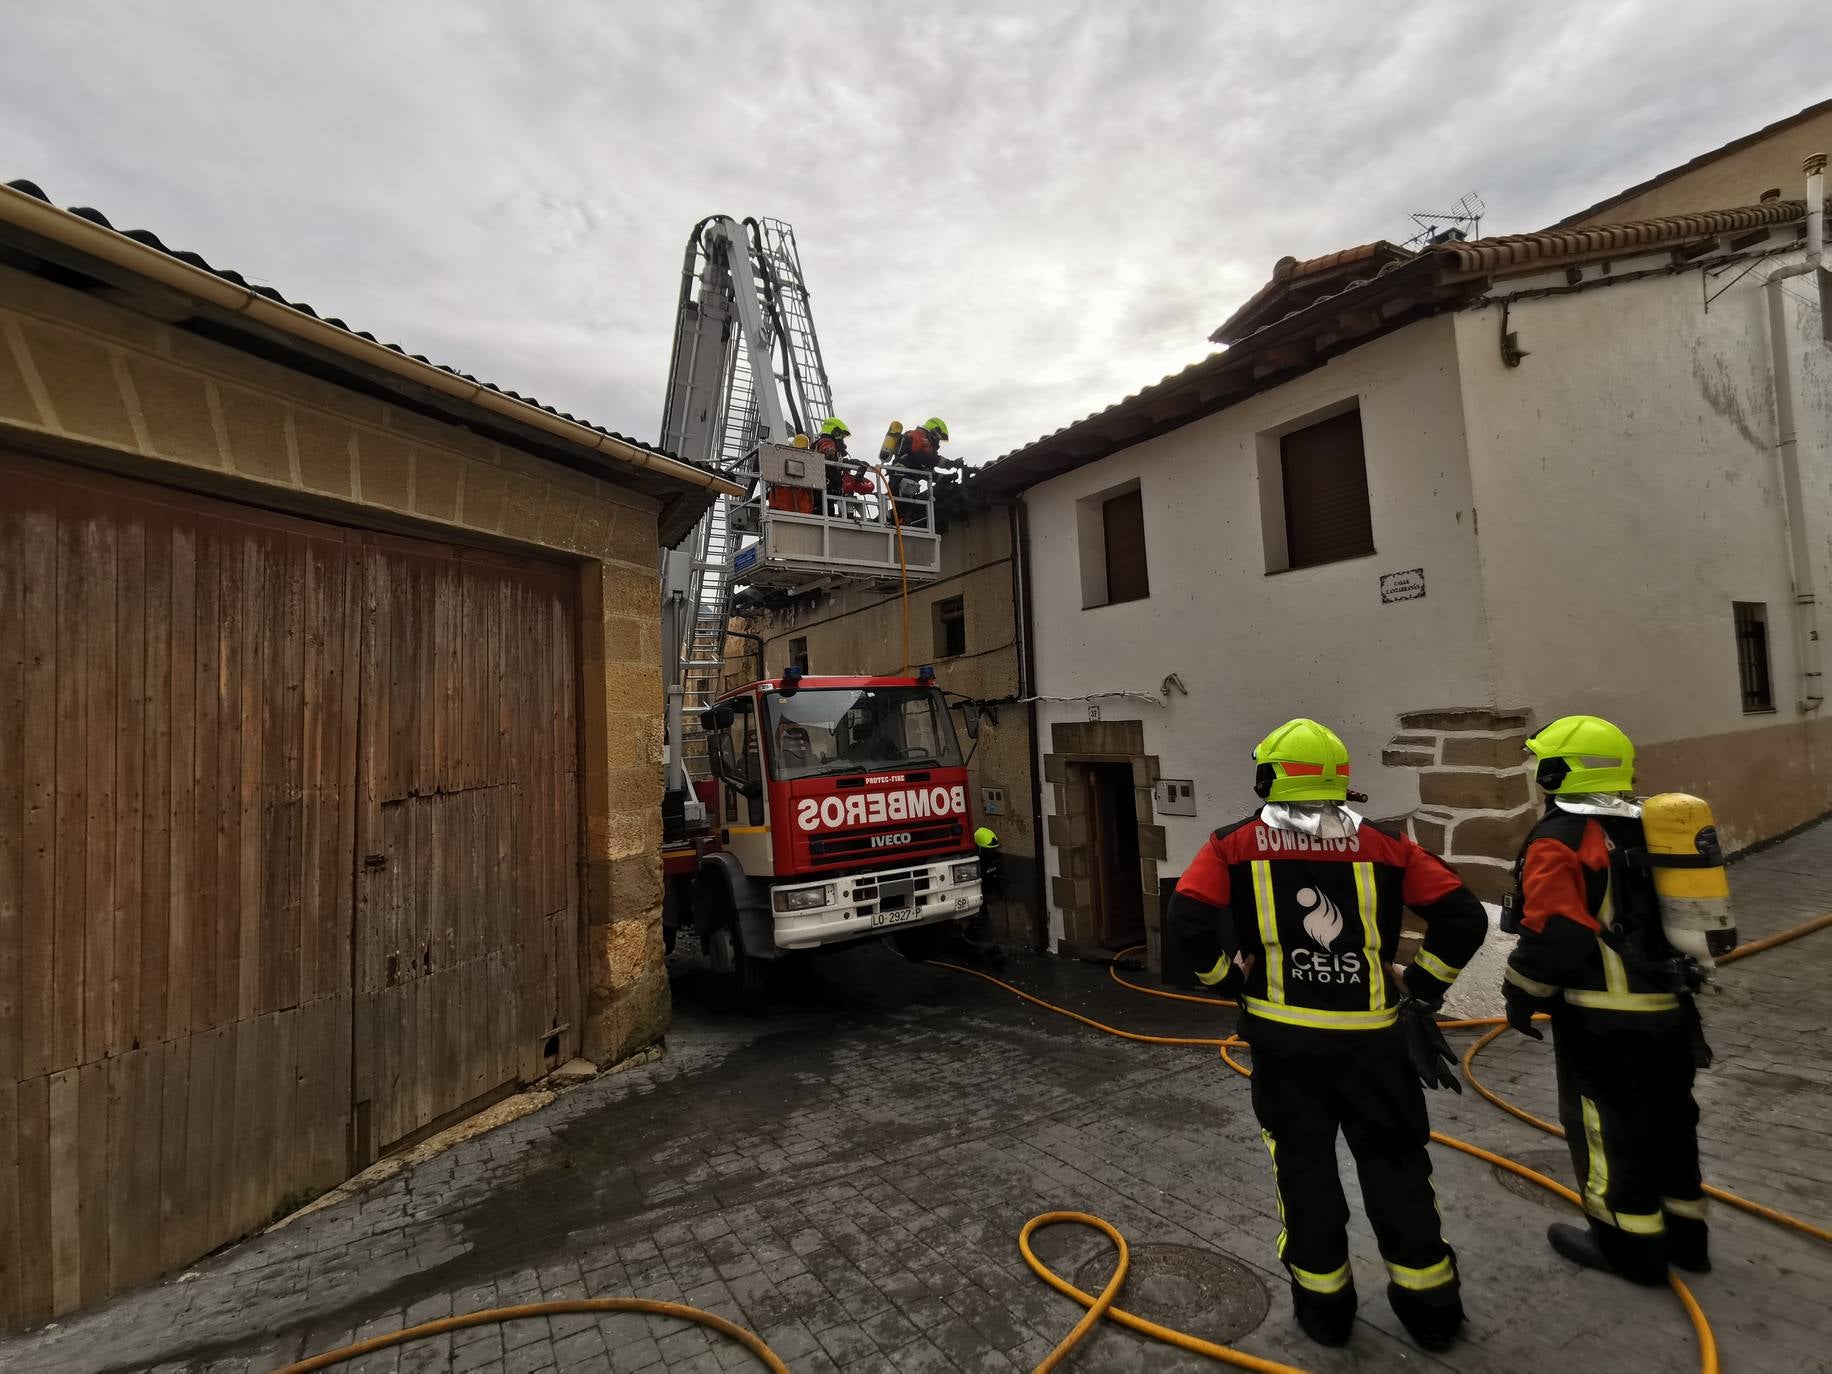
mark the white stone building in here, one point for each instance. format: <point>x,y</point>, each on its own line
<point>1437,499</point>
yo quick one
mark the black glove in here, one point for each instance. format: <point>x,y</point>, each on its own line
<point>1521,1005</point>
<point>1426,1047</point>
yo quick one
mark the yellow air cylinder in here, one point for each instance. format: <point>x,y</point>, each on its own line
<point>1688,868</point>
<point>888,449</point>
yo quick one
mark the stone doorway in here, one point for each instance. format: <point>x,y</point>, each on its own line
<point>1101,829</point>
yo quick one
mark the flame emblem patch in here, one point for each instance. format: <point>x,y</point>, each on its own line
<point>1322,919</point>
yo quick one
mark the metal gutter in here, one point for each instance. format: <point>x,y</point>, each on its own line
<point>73,231</point>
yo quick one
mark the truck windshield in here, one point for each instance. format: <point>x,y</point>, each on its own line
<point>854,729</point>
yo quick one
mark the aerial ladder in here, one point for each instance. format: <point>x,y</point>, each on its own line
<point>746,382</point>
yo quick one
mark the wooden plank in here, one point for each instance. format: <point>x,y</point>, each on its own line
<point>318,641</point>
<point>202,1187</point>
<point>98,611</point>
<point>203,900</point>
<point>11,1279</point>
<point>35,546</point>
<point>156,826</point>
<point>250,1139</point>
<point>286,1170</point>
<point>174,1072</point>
<point>12,852</point>
<point>344,858</point>
<point>371,725</point>
<point>256,663</point>
<point>143,1222</point>
<point>92,1164</point>
<point>224,966</point>
<point>221,1183</point>
<point>129,776</point>
<point>72,797</point>
<point>182,900</point>
<point>36,1249</point>
<point>113,1191</point>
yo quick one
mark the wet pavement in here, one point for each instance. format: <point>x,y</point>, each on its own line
<point>848,1173</point>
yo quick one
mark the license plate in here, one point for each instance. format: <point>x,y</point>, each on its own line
<point>896,917</point>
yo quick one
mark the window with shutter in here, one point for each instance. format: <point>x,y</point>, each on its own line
<point>1123,528</point>
<point>1325,480</point>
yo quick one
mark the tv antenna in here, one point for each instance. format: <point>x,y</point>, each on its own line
<point>1462,221</point>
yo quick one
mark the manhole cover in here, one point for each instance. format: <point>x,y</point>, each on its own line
<point>1194,1290</point>
<point>1552,1161</point>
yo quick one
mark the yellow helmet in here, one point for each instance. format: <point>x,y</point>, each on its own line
<point>1583,754</point>
<point>835,427</point>
<point>1302,761</point>
<point>936,426</point>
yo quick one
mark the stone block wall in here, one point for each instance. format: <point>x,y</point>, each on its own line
<point>1477,799</point>
<point>84,379</point>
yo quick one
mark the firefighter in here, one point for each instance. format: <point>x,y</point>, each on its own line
<point>1298,907</point>
<point>919,459</point>
<point>1625,1032</point>
<point>831,445</point>
<point>992,871</point>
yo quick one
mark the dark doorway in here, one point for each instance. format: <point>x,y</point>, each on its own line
<point>1113,858</point>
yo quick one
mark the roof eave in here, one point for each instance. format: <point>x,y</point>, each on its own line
<point>51,225</point>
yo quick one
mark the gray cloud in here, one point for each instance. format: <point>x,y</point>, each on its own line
<point>1009,215</point>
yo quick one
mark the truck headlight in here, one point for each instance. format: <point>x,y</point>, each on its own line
<point>968,872</point>
<point>804,898</point>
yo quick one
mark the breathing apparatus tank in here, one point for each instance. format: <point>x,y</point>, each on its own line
<point>1688,870</point>
<point>888,449</point>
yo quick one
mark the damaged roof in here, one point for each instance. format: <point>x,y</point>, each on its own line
<point>1310,311</point>
<point>36,241</point>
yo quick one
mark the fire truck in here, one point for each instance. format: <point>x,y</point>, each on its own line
<point>802,813</point>
<point>840,814</point>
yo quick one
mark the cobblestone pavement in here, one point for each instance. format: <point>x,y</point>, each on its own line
<point>848,1176</point>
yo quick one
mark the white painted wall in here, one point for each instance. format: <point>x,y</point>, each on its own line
<point>1628,492</point>
<point>1255,649</point>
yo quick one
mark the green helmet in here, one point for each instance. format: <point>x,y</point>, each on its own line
<point>937,426</point>
<point>1302,761</point>
<point>985,839</point>
<point>1583,754</point>
<point>836,427</point>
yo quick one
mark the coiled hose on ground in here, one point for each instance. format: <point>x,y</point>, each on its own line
<point>1100,1306</point>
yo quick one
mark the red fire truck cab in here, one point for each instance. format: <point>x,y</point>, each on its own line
<point>841,814</point>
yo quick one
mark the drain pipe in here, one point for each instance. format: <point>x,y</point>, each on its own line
<point>1787,443</point>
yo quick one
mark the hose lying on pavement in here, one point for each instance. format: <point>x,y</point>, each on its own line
<point>1101,1305</point>
<point>750,1340</point>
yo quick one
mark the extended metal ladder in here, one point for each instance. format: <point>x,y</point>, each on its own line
<point>742,286</point>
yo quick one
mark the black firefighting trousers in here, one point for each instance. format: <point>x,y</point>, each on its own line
<point>1625,1100</point>
<point>1365,1087</point>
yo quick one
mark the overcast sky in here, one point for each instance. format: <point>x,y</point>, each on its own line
<point>1010,215</point>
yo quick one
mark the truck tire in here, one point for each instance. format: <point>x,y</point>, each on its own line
<point>742,980</point>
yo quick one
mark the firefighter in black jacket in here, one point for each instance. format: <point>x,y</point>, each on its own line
<point>1299,905</point>
<point>1625,1031</point>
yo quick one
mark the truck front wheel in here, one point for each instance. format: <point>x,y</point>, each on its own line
<point>743,979</point>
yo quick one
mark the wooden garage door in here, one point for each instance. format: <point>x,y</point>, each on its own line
<point>177,758</point>
<point>468,951</point>
<point>288,848</point>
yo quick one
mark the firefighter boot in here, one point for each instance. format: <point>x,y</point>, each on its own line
<point>1689,1244</point>
<point>1327,1318</point>
<point>1585,1247</point>
<point>1433,1319</point>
